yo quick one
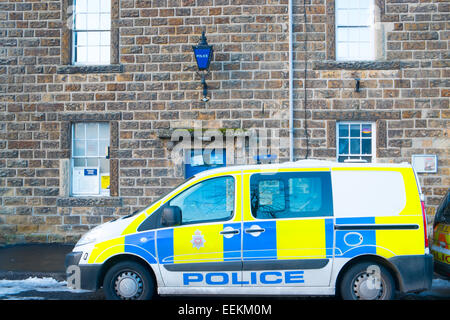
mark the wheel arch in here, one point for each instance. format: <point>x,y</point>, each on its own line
<point>121,258</point>
<point>369,258</point>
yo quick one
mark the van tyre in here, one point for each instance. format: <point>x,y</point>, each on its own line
<point>128,280</point>
<point>367,281</point>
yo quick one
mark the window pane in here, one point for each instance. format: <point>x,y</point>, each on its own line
<point>105,6</point>
<point>93,21</point>
<point>105,21</point>
<point>94,5</point>
<point>355,130</point>
<point>105,55</point>
<point>79,131</point>
<point>103,148</point>
<point>105,38</point>
<point>91,131</point>
<point>91,162</point>
<point>81,39</point>
<point>342,158</point>
<point>342,51</point>
<point>81,21</point>
<point>343,146</point>
<point>79,148</point>
<point>104,130</point>
<point>93,38</point>
<point>209,200</point>
<point>366,130</point>
<point>342,34</point>
<point>81,5</point>
<point>305,194</point>
<point>343,130</point>
<point>355,146</point>
<point>104,165</point>
<point>92,148</point>
<point>81,54</point>
<point>268,199</point>
<point>79,162</point>
<point>93,55</point>
<point>366,146</point>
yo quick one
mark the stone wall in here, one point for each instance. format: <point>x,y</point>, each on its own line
<point>152,88</point>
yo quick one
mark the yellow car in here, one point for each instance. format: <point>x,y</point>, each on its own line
<point>441,238</point>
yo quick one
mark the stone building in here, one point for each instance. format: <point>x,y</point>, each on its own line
<point>91,93</point>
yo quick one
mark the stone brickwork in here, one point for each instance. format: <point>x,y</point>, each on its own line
<point>152,88</point>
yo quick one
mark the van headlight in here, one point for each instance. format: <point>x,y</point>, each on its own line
<point>89,237</point>
<point>86,239</point>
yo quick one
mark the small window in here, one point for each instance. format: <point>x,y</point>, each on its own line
<point>90,158</point>
<point>210,200</point>
<point>355,140</point>
<point>291,195</point>
<point>354,30</point>
<point>91,32</point>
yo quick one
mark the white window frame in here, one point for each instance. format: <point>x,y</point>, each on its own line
<point>360,155</point>
<point>357,26</point>
<point>101,33</point>
<point>98,157</point>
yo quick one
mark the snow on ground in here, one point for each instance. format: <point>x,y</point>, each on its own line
<point>12,287</point>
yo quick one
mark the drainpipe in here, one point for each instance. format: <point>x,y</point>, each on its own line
<point>291,84</point>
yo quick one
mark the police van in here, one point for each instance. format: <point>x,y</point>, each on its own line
<point>300,228</point>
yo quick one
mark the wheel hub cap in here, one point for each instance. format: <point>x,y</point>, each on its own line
<point>366,289</point>
<point>128,285</point>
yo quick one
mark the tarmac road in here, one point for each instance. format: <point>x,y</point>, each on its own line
<point>36,272</point>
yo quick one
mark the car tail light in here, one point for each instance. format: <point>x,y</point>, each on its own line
<point>424,215</point>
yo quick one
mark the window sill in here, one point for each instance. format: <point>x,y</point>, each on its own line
<point>89,201</point>
<point>71,69</point>
<point>357,65</point>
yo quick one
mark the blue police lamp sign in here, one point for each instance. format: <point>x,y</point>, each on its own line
<point>203,56</point>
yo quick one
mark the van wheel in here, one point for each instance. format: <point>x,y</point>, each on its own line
<point>128,280</point>
<point>367,281</point>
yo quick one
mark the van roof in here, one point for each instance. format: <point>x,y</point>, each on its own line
<point>308,163</point>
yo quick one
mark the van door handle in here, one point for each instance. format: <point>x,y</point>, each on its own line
<point>234,231</point>
<point>254,230</point>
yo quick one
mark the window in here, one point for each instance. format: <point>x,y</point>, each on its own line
<point>355,141</point>
<point>91,38</point>
<point>354,30</point>
<point>90,158</point>
<point>198,160</point>
<point>210,200</point>
<point>291,195</point>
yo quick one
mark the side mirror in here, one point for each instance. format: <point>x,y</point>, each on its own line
<point>171,216</point>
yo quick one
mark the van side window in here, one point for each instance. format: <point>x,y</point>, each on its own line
<point>209,200</point>
<point>269,198</point>
<point>291,195</point>
<point>305,194</point>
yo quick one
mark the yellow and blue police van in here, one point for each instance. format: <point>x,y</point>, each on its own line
<point>309,227</point>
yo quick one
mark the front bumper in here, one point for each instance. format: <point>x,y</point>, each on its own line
<point>415,273</point>
<point>86,277</point>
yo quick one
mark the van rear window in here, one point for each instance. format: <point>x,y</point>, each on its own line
<point>291,195</point>
<point>368,193</point>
